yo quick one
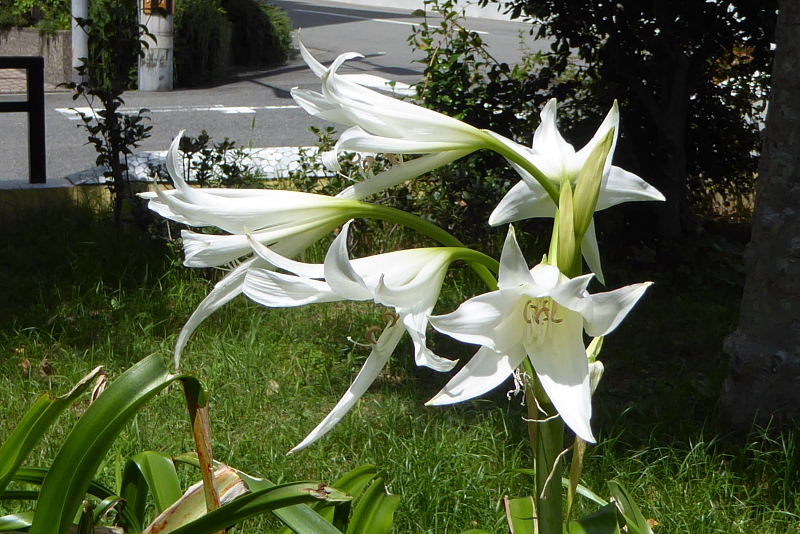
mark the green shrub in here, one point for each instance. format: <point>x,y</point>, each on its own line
<point>202,37</point>
<point>256,39</point>
<point>48,15</point>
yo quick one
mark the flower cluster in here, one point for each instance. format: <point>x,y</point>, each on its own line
<point>538,315</point>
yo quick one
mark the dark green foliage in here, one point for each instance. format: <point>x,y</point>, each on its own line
<point>208,164</point>
<point>47,15</point>
<point>202,41</point>
<point>255,40</point>
<point>691,77</point>
<point>115,45</point>
<point>463,80</point>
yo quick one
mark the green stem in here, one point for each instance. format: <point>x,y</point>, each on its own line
<point>515,157</point>
<point>480,263</point>
<point>547,442</point>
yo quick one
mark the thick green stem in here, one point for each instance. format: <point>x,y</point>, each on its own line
<point>546,434</point>
<point>514,156</point>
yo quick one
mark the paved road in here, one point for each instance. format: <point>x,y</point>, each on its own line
<point>252,107</point>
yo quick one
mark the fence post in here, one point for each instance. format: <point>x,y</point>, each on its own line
<point>33,105</point>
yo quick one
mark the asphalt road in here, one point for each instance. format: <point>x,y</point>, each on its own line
<point>255,107</point>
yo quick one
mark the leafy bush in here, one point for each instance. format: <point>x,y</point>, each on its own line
<point>48,15</point>
<point>202,41</point>
<point>256,39</point>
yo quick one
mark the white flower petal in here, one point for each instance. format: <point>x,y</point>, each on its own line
<point>493,319</point>
<point>546,278</point>
<point>278,290</point>
<point>603,312</point>
<point>591,252</point>
<point>623,186</point>
<point>522,202</point>
<point>224,291</point>
<point>547,140</point>
<point>378,82</point>
<point>611,121</point>
<point>513,268</point>
<point>358,140</point>
<point>317,105</point>
<point>380,354</point>
<point>308,270</point>
<point>486,370</point>
<point>563,370</point>
<point>339,273</point>
<point>416,325</point>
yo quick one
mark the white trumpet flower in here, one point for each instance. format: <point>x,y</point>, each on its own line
<point>539,314</point>
<point>558,161</point>
<point>408,281</point>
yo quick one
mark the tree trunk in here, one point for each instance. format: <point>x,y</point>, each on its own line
<point>763,384</point>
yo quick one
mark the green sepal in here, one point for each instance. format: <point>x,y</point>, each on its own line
<point>568,248</point>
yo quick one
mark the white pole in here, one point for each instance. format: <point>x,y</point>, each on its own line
<point>155,68</point>
<point>80,41</point>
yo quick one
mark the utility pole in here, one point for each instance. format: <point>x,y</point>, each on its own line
<point>80,41</point>
<point>155,68</point>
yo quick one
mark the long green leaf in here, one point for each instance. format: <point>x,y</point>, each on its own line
<point>18,521</point>
<point>635,521</point>
<point>374,511</point>
<point>86,445</point>
<point>153,471</point>
<point>299,518</point>
<point>521,515</point>
<point>602,521</point>
<point>259,502</point>
<point>34,423</point>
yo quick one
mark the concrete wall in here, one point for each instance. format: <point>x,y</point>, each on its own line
<point>56,49</point>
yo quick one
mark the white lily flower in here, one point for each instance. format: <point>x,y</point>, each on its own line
<point>409,281</point>
<point>271,215</point>
<point>558,161</point>
<point>380,123</point>
<point>539,314</point>
<point>288,221</point>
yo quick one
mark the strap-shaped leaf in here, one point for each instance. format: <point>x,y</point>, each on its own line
<point>374,511</point>
<point>18,521</point>
<point>34,423</point>
<point>521,515</point>
<point>259,502</point>
<point>299,518</point>
<point>602,521</point>
<point>149,472</point>
<point>84,448</point>
<point>635,522</point>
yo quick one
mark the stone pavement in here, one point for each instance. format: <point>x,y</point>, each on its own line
<point>273,162</point>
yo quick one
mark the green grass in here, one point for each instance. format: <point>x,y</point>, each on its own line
<point>77,293</point>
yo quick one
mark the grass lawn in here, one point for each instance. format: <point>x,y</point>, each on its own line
<point>77,293</point>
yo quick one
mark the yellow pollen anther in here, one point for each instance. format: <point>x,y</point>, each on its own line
<point>538,311</point>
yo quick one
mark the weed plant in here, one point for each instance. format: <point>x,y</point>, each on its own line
<point>77,293</point>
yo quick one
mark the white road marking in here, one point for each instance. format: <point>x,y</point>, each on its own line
<point>387,21</point>
<point>74,113</point>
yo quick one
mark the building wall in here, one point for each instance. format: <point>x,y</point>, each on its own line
<point>55,48</point>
